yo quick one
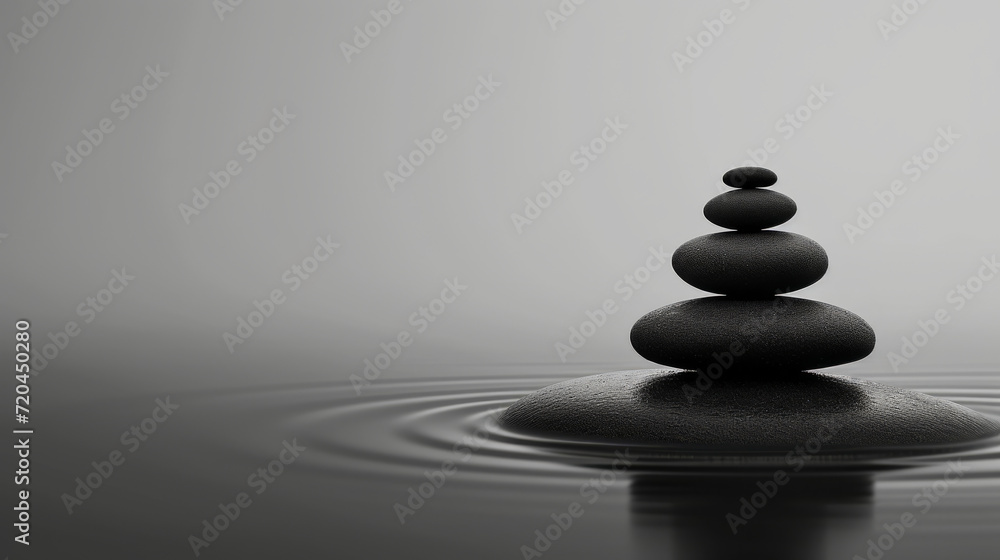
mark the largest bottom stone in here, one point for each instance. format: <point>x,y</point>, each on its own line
<point>742,413</point>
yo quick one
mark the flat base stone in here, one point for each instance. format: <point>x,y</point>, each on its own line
<point>748,413</point>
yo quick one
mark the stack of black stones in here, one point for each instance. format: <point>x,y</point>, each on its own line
<point>743,385</point>
<point>751,328</point>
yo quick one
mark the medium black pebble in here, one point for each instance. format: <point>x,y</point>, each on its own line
<point>750,209</point>
<point>756,264</point>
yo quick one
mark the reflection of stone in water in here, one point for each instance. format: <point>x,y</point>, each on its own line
<point>691,517</point>
<point>747,397</point>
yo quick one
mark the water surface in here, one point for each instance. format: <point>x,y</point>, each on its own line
<point>419,469</point>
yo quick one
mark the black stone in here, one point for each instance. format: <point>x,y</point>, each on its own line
<point>753,264</point>
<point>778,334</point>
<point>737,414</point>
<point>750,209</point>
<point>749,177</point>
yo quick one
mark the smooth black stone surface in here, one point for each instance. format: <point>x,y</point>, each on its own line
<point>781,333</point>
<point>751,264</point>
<point>745,414</point>
<point>749,178</point>
<point>750,209</point>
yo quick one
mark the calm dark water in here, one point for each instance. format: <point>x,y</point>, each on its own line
<point>419,469</point>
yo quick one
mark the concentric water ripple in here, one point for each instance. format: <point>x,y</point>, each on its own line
<point>397,428</point>
<point>367,456</point>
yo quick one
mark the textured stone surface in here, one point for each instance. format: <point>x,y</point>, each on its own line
<point>751,264</point>
<point>737,413</point>
<point>749,177</point>
<point>782,333</point>
<point>750,209</point>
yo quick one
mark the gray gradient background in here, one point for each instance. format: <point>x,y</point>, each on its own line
<point>324,176</point>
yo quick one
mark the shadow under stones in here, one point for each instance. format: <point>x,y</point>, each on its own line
<point>768,392</point>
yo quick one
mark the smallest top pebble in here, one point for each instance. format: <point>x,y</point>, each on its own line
<point>749,178</point>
